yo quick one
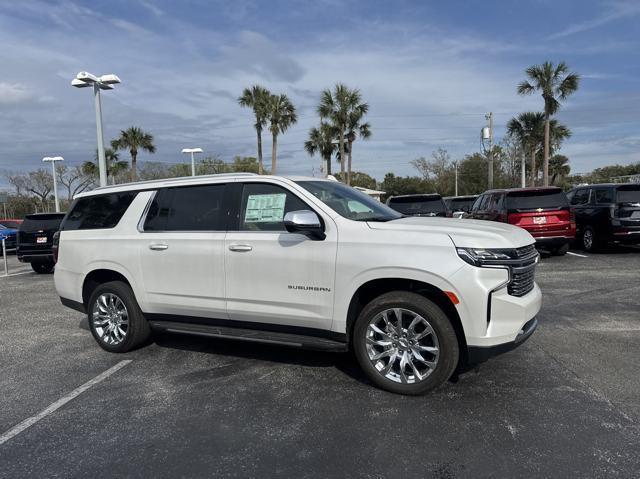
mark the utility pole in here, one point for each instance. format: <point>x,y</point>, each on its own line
<point>489,117</point>
<point>455,165</point>
<point>523,175</point>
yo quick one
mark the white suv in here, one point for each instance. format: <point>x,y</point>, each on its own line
<point>299,262</point>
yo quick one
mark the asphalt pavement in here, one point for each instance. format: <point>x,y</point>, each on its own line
<point>565,404</point>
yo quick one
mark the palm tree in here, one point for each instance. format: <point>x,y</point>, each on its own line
<point>281,115</point>
<point>354,129</point>
<point>528,129</point>
<point>257,98</point>
<point>555,84</point>
<point>558,167</point>
<point>134,139</point>
<point>322,141</point>
<point>114,165</point>
<point>338,107</point>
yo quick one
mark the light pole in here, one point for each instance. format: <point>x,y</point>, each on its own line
<point>105,82</point>
<point>52,160</point>
<point>193,162</point>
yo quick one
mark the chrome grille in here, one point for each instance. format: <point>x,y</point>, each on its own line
<point>522,280</point>
<point>526,251</point>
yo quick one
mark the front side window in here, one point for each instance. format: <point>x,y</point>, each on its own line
<point>349,202</point>
<point>581,197</point>
<point>187,208</point>
<point>98,212</point>
<point>264,206</point>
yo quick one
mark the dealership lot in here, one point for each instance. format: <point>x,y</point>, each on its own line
<point>566,403</point>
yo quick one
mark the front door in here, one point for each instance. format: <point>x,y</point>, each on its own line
<point>182,252</point>
<point>274,276</point>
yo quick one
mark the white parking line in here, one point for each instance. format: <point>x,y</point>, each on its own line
<point>16,274</point>
<point>14,431</point>
<point>576,254</point>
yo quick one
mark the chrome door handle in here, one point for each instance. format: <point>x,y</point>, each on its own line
<point>158,246</point>
<point>240,248</point>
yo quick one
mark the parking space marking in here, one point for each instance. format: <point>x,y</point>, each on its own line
<point>14,431</point>
<point>577,254</point>
<point>16,274</point>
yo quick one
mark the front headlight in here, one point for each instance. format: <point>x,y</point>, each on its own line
<point>478,256</point>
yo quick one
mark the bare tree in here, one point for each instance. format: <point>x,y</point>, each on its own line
<point>74,180</point>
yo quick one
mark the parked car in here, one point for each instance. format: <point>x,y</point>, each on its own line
<point>544,212</point>
<point>459,205</point>
<point>9,236</point>
<point>298,262</point>
<point>419,205</point>
<point>35,240</point>
<point>606,213</point>
<point>11,223</point>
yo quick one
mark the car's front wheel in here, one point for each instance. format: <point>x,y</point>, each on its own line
<point>115,319</point>
<point>405,343</point>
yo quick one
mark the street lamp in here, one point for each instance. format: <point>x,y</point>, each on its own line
<point>105,82</point>
<point>193,163</point>
<point>52,160</point>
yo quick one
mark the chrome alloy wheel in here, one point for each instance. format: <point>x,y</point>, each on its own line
<point>587,239</point>
<point>110,318</point>
<point>402,346</point>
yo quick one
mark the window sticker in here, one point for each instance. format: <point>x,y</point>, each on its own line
<point>265,208</point>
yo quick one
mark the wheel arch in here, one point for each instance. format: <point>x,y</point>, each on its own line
<point>376,287</point>
<point>97,277</point>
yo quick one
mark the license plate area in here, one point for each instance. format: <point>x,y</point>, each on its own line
<point>539,220</point>
<point>41,239</point>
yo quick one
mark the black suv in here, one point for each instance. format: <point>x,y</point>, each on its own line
<point>35,240</point>
<point>430,204</point>
<point>606,213</point>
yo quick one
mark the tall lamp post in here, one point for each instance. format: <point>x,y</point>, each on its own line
<point>52,160</point>
<point>104,82</point>
<point>193,161</point>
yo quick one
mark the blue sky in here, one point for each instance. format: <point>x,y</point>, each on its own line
<point>429,71</point>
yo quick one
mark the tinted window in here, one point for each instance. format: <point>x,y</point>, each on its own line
<point>33,223</point>
<point>189,208</point>
<point>461,204</point>
<point>10,224</point>
<point>95,212</point>
<point>604,196</point>
<point>349,202</point>
<point>264,206</point>
<point>529,200</point>
<point>580,197</point>
<point>628,194</point>
<point>416,205</point>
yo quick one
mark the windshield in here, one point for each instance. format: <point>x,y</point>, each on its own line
<point>629,194</point>
<point>349,202</point>
<point>461,204</point>
<point>534,199</point>
<point>413,205</point>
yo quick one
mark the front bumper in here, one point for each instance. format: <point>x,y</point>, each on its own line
<point>480,354</point>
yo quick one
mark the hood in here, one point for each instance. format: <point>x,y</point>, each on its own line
<point>464,233</point>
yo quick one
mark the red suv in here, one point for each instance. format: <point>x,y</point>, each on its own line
<point>543,212</point>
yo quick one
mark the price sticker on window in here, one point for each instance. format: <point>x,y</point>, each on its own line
<point>265,208</point>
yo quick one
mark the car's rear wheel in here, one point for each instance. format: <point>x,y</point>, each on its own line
<point>405,343</point>
<point>115,319</point>
<point>43,268</point>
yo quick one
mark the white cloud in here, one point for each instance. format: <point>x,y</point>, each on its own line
<point>616,11</point>
<point>12,93</point>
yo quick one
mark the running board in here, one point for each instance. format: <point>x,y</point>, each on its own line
<point>252,335</point>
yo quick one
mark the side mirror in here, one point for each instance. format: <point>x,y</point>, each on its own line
<point>305,222</point>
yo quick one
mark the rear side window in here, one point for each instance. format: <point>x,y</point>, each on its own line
<point>628,194</point>
<point>604,196</point>
<point>418,205</point>
<point>98,212</point>
<point>531,200</point>
<point>33,223</point>
<point>190,208</point>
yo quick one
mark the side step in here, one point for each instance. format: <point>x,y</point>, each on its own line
<point>253,335</point>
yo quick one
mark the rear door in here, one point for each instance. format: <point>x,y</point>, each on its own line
<point>543,213</point>
<point>182,251</point>
<point>274,276</point>
<point>35,235</point>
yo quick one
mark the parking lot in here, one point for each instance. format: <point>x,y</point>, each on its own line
<point>567,403</point>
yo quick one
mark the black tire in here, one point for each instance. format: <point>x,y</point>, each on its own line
<point>138,331</point>
<point>441,325</point>
<point>561,251</point>
<point>43,268</point>
<point>590,240</point>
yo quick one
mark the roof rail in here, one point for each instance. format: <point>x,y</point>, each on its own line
<point>180,178</point>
